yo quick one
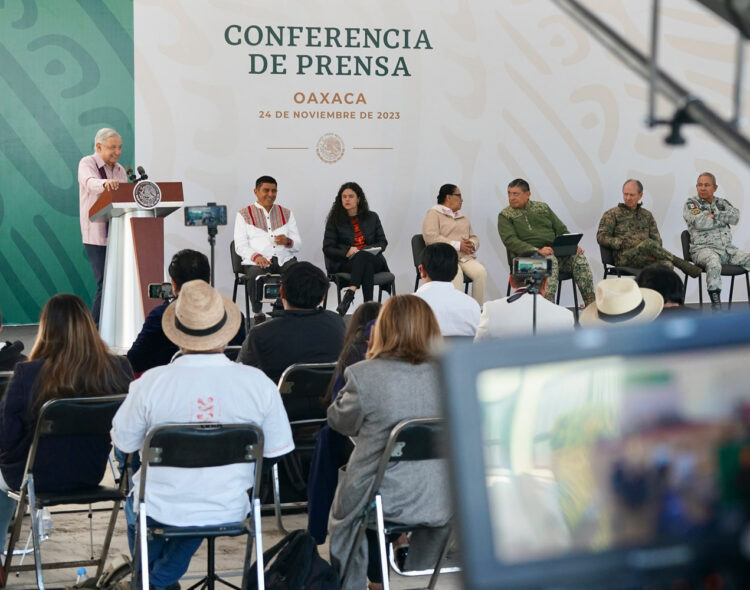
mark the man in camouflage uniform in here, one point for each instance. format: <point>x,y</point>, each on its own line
<point>531,225</point>
<point>630,232</point>
<point>708,219</point>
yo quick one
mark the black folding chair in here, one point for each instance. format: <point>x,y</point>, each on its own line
<point>418,439</point>
<point>86,421</point>
<point>417,247</point>
<point>727,270</point>
<point>302,387</point>
<point>240,278</point>
<point>610,267</point>
<point>197,445</point>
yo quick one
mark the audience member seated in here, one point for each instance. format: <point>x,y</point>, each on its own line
<point>266,238</point>
<point>668,284</point>
<point>202,385</point>
<point>445,223</point>
<point>332,450</point>
<point>621,301</point>
<point>302,333</point>
<point>10,352</point>
<point>502,318</point>
<point>152,348</point>
<point>396,383</point>
<point>68,359</point>
<point>456,313</point>
<point>351,230</point>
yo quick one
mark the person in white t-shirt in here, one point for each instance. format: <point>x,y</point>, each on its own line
<point>456,312</point>
<point>202,385</point>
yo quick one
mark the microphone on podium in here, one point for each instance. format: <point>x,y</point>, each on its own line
<point>130,173</point>
<point>142,172</point>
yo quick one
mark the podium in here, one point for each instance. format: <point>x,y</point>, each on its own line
<point>135,255</point>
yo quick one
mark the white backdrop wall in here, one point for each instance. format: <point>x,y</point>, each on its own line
<point>506,89</point>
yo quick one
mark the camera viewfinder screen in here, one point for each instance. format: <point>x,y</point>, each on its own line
<point>607,453</point>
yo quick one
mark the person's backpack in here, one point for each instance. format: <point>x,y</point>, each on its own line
<point>298,566</point>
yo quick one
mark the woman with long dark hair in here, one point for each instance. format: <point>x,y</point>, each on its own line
<point>396,382</point>
<point>68,359</point>
<point>354,242</point>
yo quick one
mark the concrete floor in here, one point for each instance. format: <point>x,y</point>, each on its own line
<point>69,539</point>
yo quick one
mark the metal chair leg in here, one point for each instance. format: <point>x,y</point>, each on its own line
<point>381,539</point>
<point>16,533</point>
<point>731,292</point>
<point>35,523</point>
<point>443,553</point>
<point>143,546</point>
<point>258,545</point>
<point>277,498</point>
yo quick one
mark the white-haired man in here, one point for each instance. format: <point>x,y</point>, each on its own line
<point>97,172</point>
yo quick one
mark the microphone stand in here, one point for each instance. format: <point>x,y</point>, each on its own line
<point>213,230</point>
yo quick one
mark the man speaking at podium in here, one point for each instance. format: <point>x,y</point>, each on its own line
<point>97,172</point>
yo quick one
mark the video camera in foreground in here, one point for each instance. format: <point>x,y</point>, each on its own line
<point>532,269</point>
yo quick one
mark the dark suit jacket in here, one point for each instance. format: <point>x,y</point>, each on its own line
<point>62,464</point>
<point>153,349</point>
<point>338,238</point>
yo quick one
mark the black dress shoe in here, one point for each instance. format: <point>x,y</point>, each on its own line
<point>346,301</point>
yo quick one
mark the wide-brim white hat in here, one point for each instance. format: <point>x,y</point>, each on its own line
<point>620,301</point>
<point>200,318</point>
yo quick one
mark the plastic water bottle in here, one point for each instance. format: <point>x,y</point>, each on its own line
<point>80,576</point>
<point>45,523</point>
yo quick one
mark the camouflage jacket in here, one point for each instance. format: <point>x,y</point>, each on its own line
<point>530,227</point>
<point>710,232</point>
<point>622,227</point>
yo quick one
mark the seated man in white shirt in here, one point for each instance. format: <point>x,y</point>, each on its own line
<point>202,385</point>
<point>456,313</point>
<point>502,318</point>
<point>265,237</point>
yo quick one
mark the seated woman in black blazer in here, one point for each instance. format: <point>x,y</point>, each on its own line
<point>351,230</point>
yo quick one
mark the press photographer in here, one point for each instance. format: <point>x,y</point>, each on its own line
<point>152,348</point>
<point>514,315</point>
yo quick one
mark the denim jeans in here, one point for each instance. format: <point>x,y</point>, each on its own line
<point>168,559</point>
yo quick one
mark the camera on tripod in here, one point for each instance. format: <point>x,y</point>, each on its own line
<point>532,269</point>
<point>268,287</point>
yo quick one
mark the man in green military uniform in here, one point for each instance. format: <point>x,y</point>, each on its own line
<point>531,225</point>
<point>630,232</point>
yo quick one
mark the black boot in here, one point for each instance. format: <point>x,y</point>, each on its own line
<point>715,297</point>
<point>346,301</point>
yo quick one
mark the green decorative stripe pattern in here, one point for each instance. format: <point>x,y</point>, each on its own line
<point>66,70</point>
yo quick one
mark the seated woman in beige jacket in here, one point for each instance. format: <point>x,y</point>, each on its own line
<point>445,223</point>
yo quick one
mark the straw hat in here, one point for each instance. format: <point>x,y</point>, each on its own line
<point>620,301</point>
<point>200,319</point>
